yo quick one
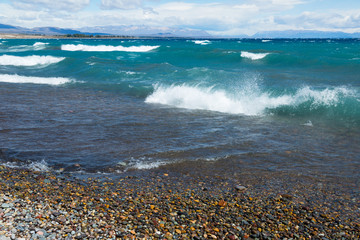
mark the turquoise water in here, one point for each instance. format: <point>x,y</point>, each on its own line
<point>116,106</point>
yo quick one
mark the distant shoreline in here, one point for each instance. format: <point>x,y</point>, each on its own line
<point>84,36</point>
<point>40,36</point>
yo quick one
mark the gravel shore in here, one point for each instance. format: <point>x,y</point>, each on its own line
<point>46,205</point>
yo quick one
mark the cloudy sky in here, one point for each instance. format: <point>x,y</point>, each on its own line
<point>227,17</point>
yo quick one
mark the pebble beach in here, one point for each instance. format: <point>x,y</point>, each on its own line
<point>53,205</point>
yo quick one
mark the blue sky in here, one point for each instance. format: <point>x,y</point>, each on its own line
<point>224,18</point>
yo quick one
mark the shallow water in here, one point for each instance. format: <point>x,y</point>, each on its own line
<point>219,107</point>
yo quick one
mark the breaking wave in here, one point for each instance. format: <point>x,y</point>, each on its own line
<point>29,61</point>
<point>253,56</point>
<point>34,80</point>
<point>202,42</point>
<point>39,45</point>
<point>252,101</point>
<point>105,48</point>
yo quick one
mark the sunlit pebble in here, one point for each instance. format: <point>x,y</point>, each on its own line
<point>160,211</point>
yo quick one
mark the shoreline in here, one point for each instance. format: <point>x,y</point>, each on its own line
<point>35,36</point>
<point>46,205</point>
<point>24,36</point>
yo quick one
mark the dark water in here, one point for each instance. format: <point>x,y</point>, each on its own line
<point>224,107</point>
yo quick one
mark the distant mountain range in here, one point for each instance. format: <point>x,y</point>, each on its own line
<point>109,30</point>
<point>40,30</point>
<point>147,31</point>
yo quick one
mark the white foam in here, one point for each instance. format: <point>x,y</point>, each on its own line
<point>40,44</point>
<point>23,48</point>
<point>35,80</point>
<point>143,163</point>
<point>41,166</point>
<point>29,61</point>
<point>202,42</point>
<point>248,100</point>
<point>105,48</point>
<point>308,124</point>
<point>150,165</point>
<point>325,97</point>
<point>253,56</point>
<point>265,40</point>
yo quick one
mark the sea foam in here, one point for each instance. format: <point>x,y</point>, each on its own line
<point>143,163</point>
<point>202,42</point>
<point>41,166</point>
<point>35,80</point>
<point>29,61</point>
<point>253,56</point>
<point>105,48</point>
<point>250,100</point>
<point>39,44</point>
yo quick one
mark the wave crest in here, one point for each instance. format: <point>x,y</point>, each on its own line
<point>105,48</point>
<point>253,56</point>
<point>202,42</point>
<point>249,100</point>
<point>29,61</point>
<point>34,80</point>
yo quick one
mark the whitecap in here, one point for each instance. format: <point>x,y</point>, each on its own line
<point>253,56</point>
<point>106,48</point>
<point>34,80</point>
<point>266,40</point>
<point>247,101</point>
<point>250,99</point>
<point>39,44</point>
<point>202,42</point>
<point>29,61</point>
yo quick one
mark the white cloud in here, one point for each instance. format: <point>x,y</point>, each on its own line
<point>348,21</point>
<point>67,5</point>
<point>220,18</point>
<point>121,4</point>
<point>276,5</point>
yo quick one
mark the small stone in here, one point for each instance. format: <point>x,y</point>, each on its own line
<point>122,164</point>
<point>6,205</point>
<point>222,203</point>
<point>286,196</point>
<point>240,188</point>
